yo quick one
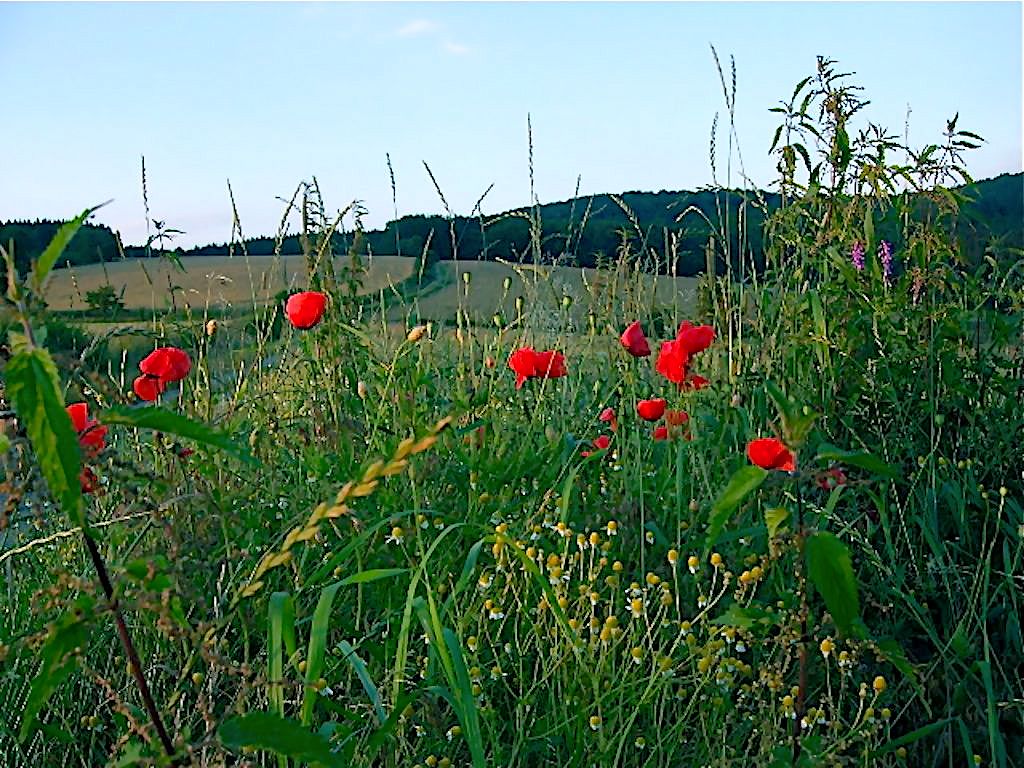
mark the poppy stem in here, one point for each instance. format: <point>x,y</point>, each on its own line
<point>129,647</point>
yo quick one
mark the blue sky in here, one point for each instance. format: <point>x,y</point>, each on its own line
<point>622,94</point>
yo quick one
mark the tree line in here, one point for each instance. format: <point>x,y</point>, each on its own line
<point>583,231</point>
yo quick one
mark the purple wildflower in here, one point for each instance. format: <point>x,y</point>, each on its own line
<point>857,255</point>
<point>885,255</point>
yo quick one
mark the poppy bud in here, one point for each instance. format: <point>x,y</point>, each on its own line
<point>416,334</point>
<point>497,320</point>
<point>519,305</point>
<point>566,301</point>
<point>362,390</point>
<point>506,284</point>
<point>467,277</point>
<point>211,327</point>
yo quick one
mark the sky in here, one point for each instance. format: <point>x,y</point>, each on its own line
<point>620,96</point>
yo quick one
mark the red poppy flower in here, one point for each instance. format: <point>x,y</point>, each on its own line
<point>148,388</point>
<point>695,338</point>
<point>651,410</point>
<point>549,365</point>
<point>88,480</point>
<point>634,341</point>
<point>168,364</point>
<point>661,433</point>
<point>676,418</point>
<point>672,361</point>
<point>694,382</point>
<point>523,362</point>
<point>601,443</point>
<point>527,363</point>
<point>304,310</point>
<point>770,453</point>
<point>608,417</point>
<point>92,436</point>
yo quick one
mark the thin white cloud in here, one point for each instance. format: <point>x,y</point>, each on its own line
<point>457,49</point>
<point>416,28</point>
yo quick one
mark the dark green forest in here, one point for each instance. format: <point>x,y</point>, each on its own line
<point>582,231</point>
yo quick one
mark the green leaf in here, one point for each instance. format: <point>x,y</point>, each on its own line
<point>743,482</point>
<point>359,667</point>
<point>862,459</point>
<point>34,389</point>
<point>317,648</point>
<point>774,518</point>
<point>891,650</point>
<point>372,574</point>
<point>281,630</point>
<point>5,443</point>
<point>59,655</point>
<point>910,738</point>
<point>831,572</point>
<point>467,702</point>
<point>264,730</point>
<point>163,420</point>
<point>737,616</point>
<point>56,247</point>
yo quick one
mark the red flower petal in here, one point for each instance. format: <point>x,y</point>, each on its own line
<point>602,442</point>
<point>167,364</point>
<point>607,416</point>
<point>79,413</point>
<point>523,362</point>
<point>634,341</point>
<point>651,410</point>
<point>672,361</point>
<point>148,388</point>
<point>549,365</point>
<point>770,453</point>
<point>694,382</point>
<point>304,310</point>
<point>661,433</point>
<point>695,338</point>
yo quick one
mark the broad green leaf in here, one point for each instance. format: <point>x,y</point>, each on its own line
<point>317,648</point>
<point>359,667</point>
<point>830,570</point>
<point>281,628</point>
<point>59,654</point>
<point>264,730</point>
<point>34,389</point>
<point>787,408</point>
<point>774,518</point>
<point>163,420</point>
<point>862,459</point>
<point>743,482</point>
<point>56,247</point>
<point>463,690</point>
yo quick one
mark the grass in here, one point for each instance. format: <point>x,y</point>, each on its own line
<point>386,554</point>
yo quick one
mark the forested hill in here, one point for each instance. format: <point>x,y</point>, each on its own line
<point>575,231</point>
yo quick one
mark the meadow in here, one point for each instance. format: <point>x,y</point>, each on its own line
<point>539,515</point>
